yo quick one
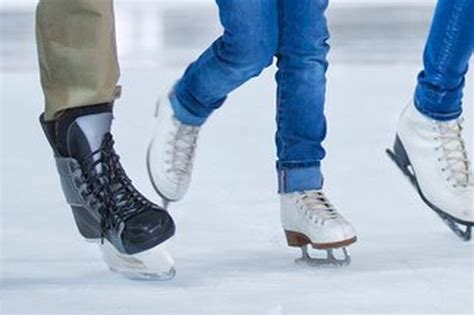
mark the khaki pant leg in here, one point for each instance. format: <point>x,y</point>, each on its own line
<point>77,53</point>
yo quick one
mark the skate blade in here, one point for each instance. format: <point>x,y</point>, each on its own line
<point>329,262</point>
<point>155,264</point>
<point>456,227</point>
<point>147,276</point>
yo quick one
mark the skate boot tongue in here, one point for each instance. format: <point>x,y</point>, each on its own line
<point>81,131</point>
<point>454,152</point>
<point>92,128</point>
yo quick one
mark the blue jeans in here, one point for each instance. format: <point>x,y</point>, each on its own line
<point>256,31</point>
<point>446,60</point>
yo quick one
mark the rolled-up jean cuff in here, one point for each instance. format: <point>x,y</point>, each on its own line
<point>184,115</point>
<point>299,179</point>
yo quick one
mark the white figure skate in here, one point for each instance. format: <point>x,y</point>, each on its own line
<point>309,219</point>
<point>171,154</point>
<point>432,154</point>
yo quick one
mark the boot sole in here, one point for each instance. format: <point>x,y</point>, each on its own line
<point>297,239</point>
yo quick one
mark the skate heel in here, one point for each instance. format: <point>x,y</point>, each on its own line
<point>87,225</point>
<point>295,239</point>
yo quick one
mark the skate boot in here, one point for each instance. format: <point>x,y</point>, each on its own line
<point>105,204</point>
<point>432,154</point>
<point>309,219</point>
<point>171,154</point>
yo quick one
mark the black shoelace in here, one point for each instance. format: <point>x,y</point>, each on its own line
<point>108,183</point>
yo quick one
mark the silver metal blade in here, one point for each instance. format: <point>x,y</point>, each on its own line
<point>331,261</point>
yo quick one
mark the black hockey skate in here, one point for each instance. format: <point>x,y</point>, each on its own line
<point>104,202</point>
<point>400,157</point>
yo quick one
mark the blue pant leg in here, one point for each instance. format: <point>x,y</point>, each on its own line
<point>447,53</point>
<point>301,79</point>
<point>247,46</point>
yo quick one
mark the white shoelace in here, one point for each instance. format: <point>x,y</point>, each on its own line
<point>181,149</point>
<point>316,207</point>
<point>454,153</point>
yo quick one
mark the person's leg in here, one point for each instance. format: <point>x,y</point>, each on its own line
<point>77,53</point>
<point>429,147</point>
<point>308,217</point>
<point>447,53</point>
<point>79,73</point>
<point>301,81</point>
<point>246,47</point>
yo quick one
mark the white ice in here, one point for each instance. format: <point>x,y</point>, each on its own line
<point>230,250</point>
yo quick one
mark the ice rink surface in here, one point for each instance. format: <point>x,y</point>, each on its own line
<point>230,250</point>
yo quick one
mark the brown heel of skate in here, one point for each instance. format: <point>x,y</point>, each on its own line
<point>295,239</point>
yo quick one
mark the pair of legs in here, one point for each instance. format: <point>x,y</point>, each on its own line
<point>256,31</point>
